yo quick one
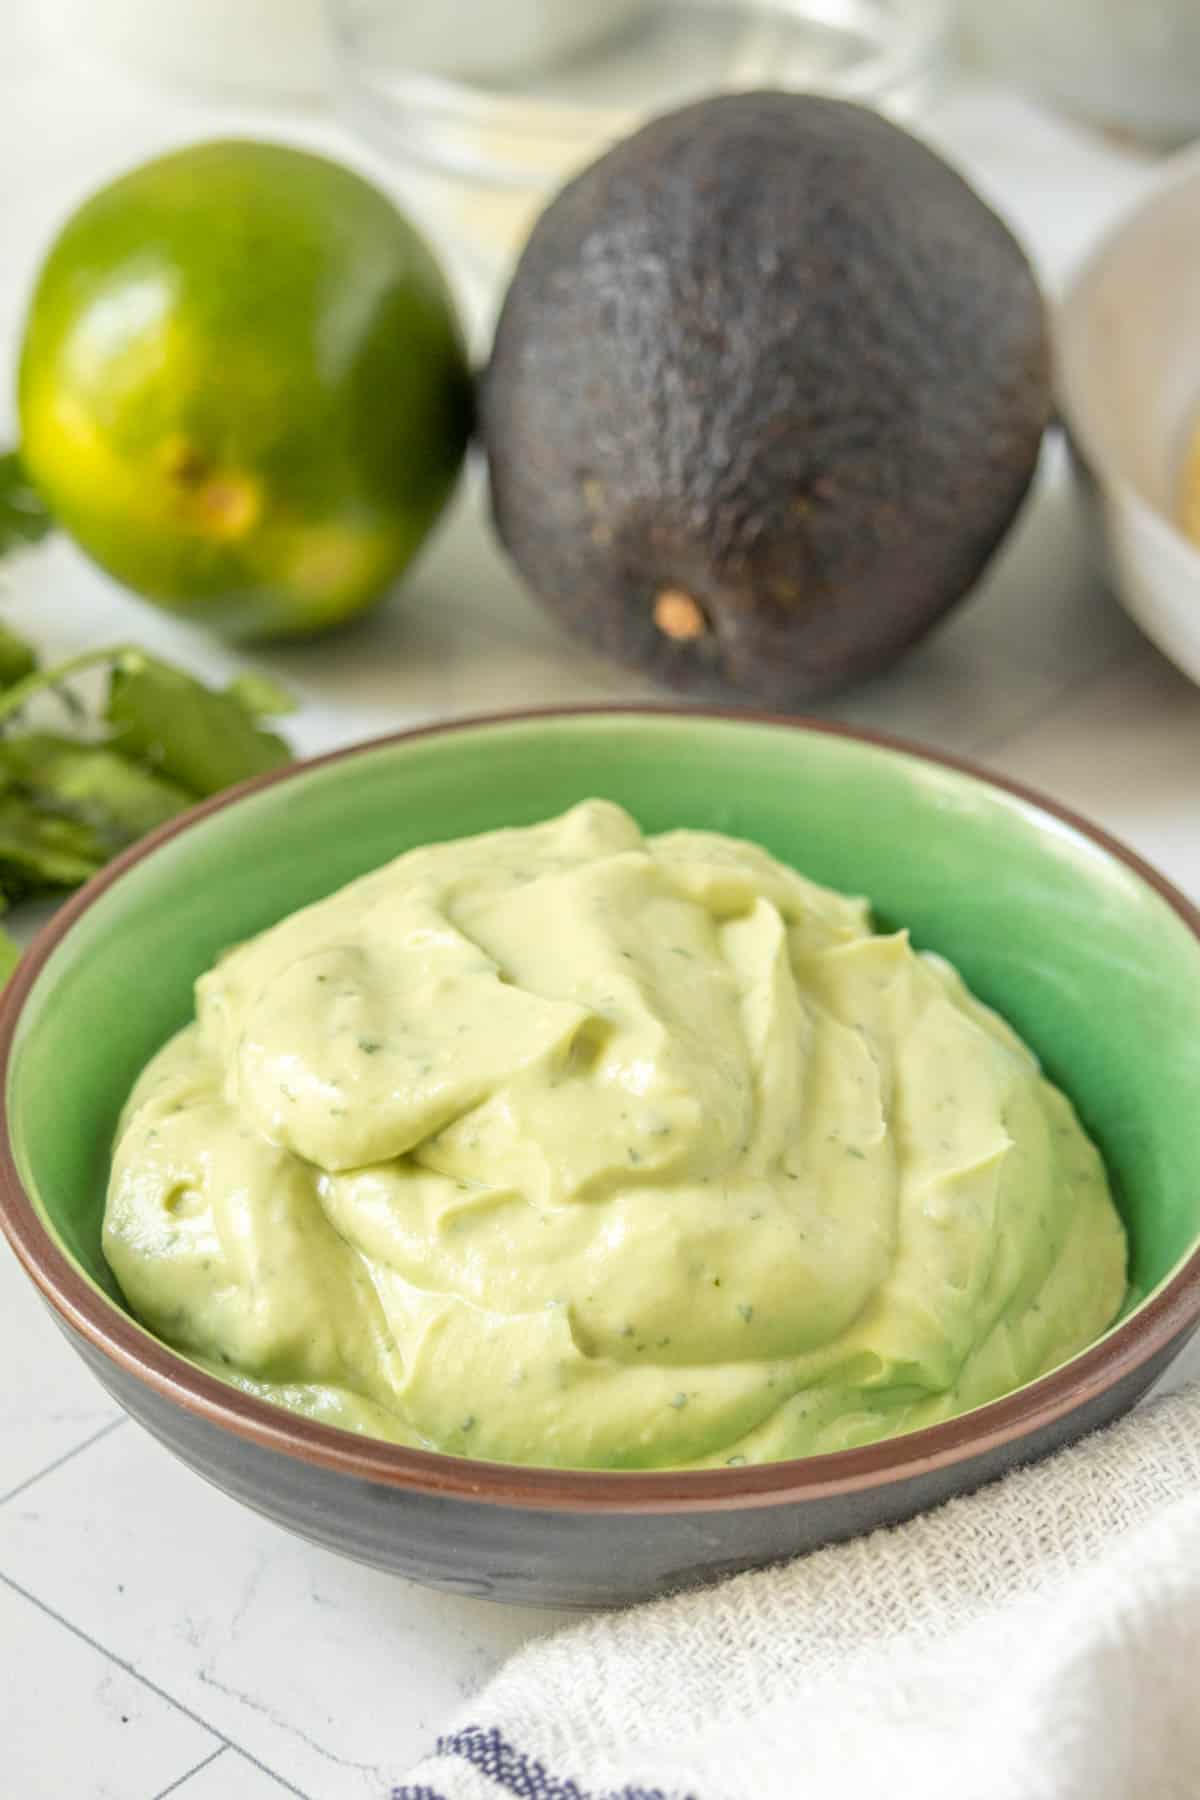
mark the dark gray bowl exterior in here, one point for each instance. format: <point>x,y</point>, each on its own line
<point>534,1556</point>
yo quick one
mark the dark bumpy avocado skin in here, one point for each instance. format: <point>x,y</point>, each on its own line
<point>772,357</point>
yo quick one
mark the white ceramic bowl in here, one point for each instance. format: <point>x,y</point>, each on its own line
<point>1128,357</point>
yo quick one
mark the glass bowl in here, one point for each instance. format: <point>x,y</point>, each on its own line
<point>483,110</point>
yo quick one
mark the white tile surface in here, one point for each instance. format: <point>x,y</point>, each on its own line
<point>335,1677</point>
<point>49,1404</point>
<point>1125,750</point>
<point>72,1723</point>
<point>329,1676</point>
<point>228,1776</point>
<point>1185,1369</point>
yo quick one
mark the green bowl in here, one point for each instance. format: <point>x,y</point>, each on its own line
<point>1092,957</point>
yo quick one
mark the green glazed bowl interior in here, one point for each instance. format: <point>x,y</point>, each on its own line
<point>1072,941</point>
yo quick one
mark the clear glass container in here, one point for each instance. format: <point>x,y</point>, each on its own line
<point>483,108</point>
<point>1130,65</point>
<point>273,49</point>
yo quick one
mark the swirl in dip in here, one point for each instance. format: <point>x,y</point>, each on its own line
<point>570,1146</point>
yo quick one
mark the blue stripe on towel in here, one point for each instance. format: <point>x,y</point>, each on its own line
<point>522,1776</point>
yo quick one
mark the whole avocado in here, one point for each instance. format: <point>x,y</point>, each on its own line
<point>767,390</point>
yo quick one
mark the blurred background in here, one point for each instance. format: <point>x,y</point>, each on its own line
<point>478,110</point>
<point>471,115</point>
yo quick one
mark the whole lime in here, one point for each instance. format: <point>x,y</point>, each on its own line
<point>243,387</point>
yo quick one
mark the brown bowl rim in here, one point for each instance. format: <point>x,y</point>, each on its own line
<point>1171,1312</point>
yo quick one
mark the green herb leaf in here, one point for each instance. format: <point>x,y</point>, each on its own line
<point>10,956</point>
<point>14,699</point>
<point>261,697</point>
<point>39,850</point>
<point>23,518</point>
<point>67,805</point>
<point>17,658</point>
<point>96,786</point>
<point>203,740</point>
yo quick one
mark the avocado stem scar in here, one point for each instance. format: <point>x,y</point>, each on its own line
<point>678,616</point>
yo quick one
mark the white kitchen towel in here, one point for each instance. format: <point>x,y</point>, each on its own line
<point>1039,1640</point>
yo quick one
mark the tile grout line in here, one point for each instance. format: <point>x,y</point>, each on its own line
<point>289,1787</point>
<point>77,1631</point>
<point>174,1786</point>
<point>76,1450</point>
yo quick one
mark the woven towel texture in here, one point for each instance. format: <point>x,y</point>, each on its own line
<point>1039,1640</point>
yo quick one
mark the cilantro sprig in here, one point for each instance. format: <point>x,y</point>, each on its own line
<point>73,796</point>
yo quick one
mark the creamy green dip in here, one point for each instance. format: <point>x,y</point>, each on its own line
<point>571,1146</point>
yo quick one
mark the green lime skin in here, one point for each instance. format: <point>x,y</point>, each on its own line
<point>243,387</point>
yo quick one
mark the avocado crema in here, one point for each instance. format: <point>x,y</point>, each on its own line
<point>570,1146</point>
